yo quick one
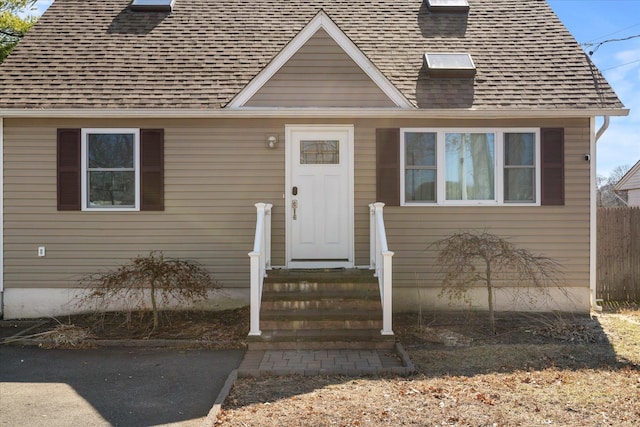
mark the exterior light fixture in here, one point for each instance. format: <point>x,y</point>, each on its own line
<point>272,141</point>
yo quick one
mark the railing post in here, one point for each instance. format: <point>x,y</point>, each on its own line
<point>254,328</point>
<point>382,257</point>
<point>387,303</point>
<point>372,238</point>
<point>267,236</point>
<point>257,275</point>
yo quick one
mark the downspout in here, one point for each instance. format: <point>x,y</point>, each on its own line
<point>603,128</point>
<point>593,241</point>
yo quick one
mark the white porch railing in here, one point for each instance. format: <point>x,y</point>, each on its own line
<point>381,262</point>
<point>260,261</point>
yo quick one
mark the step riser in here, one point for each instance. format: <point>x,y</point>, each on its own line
<point>326,345</point>
<point>304,310</point>
<point>322,304</point>
<point>319,287</point>
<point>319,324</point>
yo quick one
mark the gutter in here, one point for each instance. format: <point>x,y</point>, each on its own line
<point>593,273</point>
<point>306,113</point>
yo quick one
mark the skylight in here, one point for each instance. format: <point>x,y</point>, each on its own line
<point>152,5</point>
<point>450,64</point>
<point>459,6</point>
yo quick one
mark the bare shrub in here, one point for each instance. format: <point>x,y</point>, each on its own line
<point>153,279</point>
<point>467,259</point>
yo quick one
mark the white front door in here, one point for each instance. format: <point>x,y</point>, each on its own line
<point>319,196</point>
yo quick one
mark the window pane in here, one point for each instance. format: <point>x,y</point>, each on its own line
<point>519,149</point>
<point>469,166</point>
<point>420,149</point>
<point>111,189</point>
<point>420,185</point>
<point>319,152</point>
<point>519,185</point>
<point>110,150</point>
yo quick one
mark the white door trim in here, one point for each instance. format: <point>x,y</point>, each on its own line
<point>289,130</point>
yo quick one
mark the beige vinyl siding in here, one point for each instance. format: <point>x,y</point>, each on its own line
<point>633,197</point>
<point>320,74</point>
<point>633,182</point>
<point>214,174</point>
<point>561,232</point>
<point>216,170</point>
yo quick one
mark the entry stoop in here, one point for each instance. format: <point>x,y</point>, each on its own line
<point>321,310</point>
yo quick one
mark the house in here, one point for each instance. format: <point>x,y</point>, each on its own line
<point>630,183</point>
<point>131,126</point>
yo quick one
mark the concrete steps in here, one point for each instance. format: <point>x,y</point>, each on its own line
<point>320,309</point>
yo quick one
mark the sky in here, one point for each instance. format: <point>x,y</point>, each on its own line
<point>596,21</point>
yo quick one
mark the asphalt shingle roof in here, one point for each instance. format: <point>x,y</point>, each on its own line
<point>99,54</point>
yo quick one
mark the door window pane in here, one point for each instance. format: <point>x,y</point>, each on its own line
<point>319,152</point>
<point>470,166</point>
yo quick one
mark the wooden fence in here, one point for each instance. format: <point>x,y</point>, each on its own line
<point>618,261</point>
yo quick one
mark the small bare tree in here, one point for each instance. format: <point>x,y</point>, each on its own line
<point>152,278</point>
<point>468,258</point>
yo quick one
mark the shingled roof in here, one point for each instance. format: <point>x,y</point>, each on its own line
<point>100,54</point>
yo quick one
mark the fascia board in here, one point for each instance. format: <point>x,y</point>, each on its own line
<point>239,113</point>
<point>321,20</point>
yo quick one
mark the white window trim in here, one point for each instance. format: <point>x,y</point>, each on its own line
<point>136,160</point>
<point>499,167</point>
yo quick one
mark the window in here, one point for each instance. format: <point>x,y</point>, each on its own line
<point>469,166</point>
<point>111,171</point>
<point>420,167</point>
<point>519,167</point>
<point>73,175</point>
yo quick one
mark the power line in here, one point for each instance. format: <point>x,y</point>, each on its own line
<point>598,45</point>
<point>621,65</point>
<point>591,42</point>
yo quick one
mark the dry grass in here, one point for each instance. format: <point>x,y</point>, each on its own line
<point>547,373</point>
<point>203,329</point>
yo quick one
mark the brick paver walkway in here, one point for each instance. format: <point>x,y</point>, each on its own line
<point>323,362</point>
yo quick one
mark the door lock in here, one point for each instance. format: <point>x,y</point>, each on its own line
<point>294,191</point>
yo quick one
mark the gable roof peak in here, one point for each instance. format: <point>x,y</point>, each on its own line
<point>320,21</point>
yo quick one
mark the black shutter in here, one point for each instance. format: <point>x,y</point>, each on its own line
<point>152,169</point>
<point>388,166</point>
<point>552,148</point>
<point>68,169</point>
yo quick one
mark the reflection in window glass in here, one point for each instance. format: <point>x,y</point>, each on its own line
<point>469,166</point>
<point>319,153</point>
<point>519,167</point>
<point>110,150</point>
<point>420,167</point>
<point>110,170</point>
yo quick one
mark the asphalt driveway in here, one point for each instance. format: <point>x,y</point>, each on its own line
<point>110,386</point>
